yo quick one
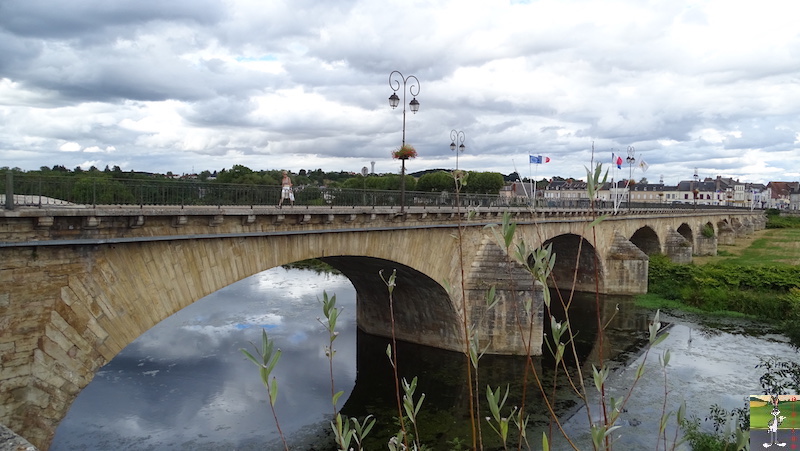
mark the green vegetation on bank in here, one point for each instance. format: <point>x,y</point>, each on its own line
<point>760,285</point>
<point>776,221</point>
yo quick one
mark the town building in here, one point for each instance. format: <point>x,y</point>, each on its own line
<point>719,191</point>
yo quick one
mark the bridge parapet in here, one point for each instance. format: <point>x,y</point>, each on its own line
<point>39,225</point>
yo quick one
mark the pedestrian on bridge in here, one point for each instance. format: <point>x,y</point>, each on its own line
<point>286,189</point>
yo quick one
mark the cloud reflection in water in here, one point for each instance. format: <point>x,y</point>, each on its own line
<point>185,385</point>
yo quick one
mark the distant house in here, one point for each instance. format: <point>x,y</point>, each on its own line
<point>719,191</point>
<point>558,191</point>
<point>794,198</point>
<point>709,191</point>
<point>780,194</point>
<point>650,192</point>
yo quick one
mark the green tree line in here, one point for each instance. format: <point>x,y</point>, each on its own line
<point>438,181</point>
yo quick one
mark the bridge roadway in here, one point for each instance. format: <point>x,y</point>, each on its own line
<point>79,284</point>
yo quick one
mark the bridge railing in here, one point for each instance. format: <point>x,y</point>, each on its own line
<point>43,191</point>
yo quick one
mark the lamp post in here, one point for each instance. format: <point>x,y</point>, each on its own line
<point>695,187</point>
<point>630,159</point>
<point>395,79</point>
<point>457,136</point>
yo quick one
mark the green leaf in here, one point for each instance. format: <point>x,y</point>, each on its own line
<point>598,220</point>
<point>273,361</point>
<point>273,391</point>
<point>491,300</point>
<point>337,396</point>
<point>492,398</point>
<point>545,442</point>
<point>512,229</point>
<point>597,436</point>
<point>560,352</point>
<point>659,339</point>
<point>419,405</point>
<point>663,424</point>
<point>250,356</point>
<point>600,377</point>
<point>389,353</point>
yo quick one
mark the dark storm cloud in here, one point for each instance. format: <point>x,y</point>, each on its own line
<point>99,19</point>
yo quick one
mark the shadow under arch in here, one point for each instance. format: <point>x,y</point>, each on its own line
<point>576,263</point>
<point>647,240</point>
<point>423,311</point>
<point>685,230</point>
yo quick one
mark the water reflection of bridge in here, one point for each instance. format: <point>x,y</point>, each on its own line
<point>442,374</point>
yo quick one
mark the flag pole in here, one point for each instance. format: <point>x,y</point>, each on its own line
<point>533,189</point>
<point>519,179</point>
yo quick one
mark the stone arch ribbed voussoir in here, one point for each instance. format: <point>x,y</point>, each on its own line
<point>168,276</point>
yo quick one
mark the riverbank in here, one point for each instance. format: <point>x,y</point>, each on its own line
<point>757,277</point>
<point>777,246</point>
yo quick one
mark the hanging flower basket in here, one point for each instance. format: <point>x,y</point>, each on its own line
<point>405,152</point>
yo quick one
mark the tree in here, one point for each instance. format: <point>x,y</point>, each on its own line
<point>354,183</point>
<point>234,175</point>
<point>484,182</point>
<point>436,182</point>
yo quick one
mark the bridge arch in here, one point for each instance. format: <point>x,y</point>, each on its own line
<point>573,251</point>
<point>686,231</point>
<point>109,295</point>
<point>423,312</point>
<point>200,268</point>
<point>646,239</point>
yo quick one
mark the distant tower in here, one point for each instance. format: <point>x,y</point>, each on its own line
<point>373,167</point>
<point>661,179</point>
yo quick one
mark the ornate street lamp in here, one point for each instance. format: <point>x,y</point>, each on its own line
<point>630,159</point>
<point>395,79</point>
<point>457,136</point>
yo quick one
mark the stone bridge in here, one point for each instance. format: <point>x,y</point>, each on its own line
<point>80,284</point>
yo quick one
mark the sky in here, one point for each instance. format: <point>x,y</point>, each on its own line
<point>689,86</point>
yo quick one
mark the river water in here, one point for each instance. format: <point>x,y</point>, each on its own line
<point>184,385</point>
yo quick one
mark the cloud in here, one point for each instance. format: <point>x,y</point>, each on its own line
<point>183,86</point>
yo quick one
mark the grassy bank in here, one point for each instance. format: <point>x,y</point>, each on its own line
<point>760,280</point>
